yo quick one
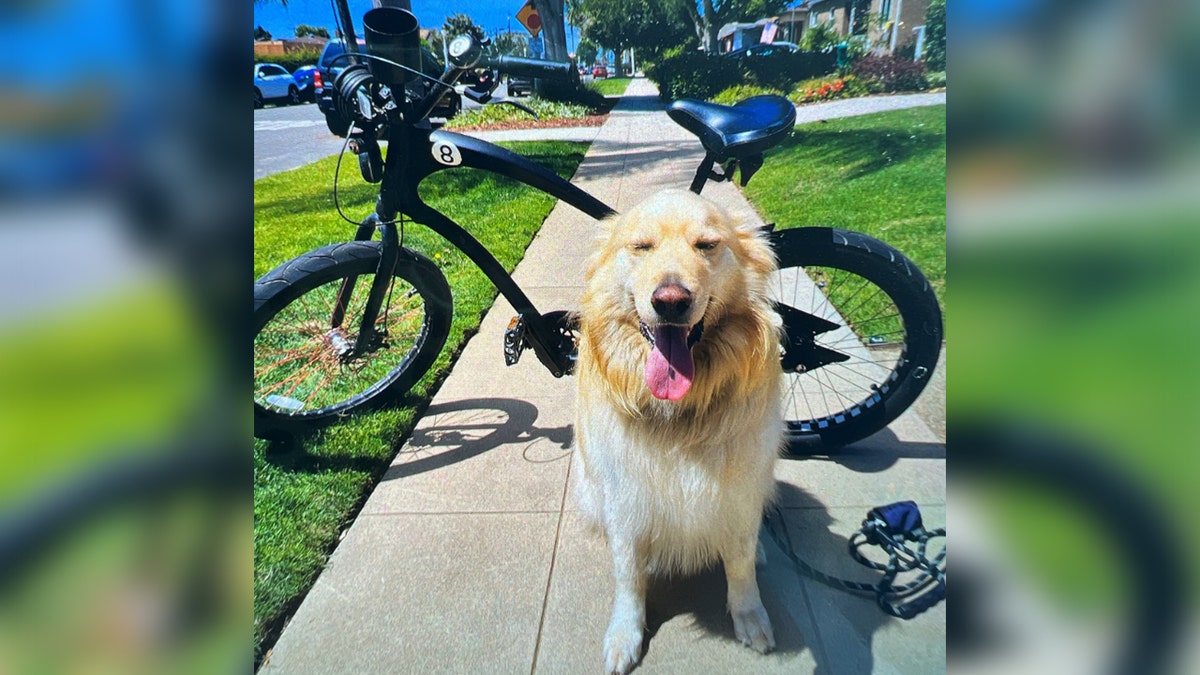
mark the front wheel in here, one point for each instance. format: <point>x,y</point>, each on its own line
<point>863,331</point>
<point>309,365</point>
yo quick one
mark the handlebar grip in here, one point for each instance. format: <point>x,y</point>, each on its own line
<point>515,65</point>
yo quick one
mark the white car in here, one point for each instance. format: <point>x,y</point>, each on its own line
<point>274,83</point>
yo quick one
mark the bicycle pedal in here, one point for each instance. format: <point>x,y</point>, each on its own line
<point>514,340</point>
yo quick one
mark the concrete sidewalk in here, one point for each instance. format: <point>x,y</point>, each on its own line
<point>470,557</point>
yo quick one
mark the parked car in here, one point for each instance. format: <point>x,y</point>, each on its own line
<point>273,82</point>
<point>306,77</point>
<point>759,50</point>
<point>600,71</point>
<point>330,69</point>
<point>519,85</point>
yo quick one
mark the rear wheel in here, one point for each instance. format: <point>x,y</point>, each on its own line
<point>309,365</point>
<point>258,98</point>
<point>863,331</point>
<point>293,97</point>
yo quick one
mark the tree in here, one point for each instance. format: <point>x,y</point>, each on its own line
<point>261,34</point>
<point>305,30</point>
<point>712,14</point>
<point>511,43</point>
<point>586,51</point>
<point>647,25</point>
<point>455,25</point>
<point>935,36</point>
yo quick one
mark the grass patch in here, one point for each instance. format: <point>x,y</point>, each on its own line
<point>613,86</point>
<point>493,115</point>
<point>306,494</point>
<point>882,174</point>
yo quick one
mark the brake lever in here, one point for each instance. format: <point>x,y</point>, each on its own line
<point>480,97</point>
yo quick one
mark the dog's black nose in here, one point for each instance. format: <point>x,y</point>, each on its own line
<point>672,302</point>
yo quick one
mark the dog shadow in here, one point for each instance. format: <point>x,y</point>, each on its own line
<point>805,614</point>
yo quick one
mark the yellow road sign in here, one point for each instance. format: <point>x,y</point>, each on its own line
<point>529,18</point>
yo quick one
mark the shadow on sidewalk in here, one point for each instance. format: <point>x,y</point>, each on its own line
<point>801,616</point>
<point>873,454</point>
<point>459,430</point>
<point>640,103</point>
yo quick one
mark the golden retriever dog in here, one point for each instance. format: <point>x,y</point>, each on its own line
<point>678,425</point>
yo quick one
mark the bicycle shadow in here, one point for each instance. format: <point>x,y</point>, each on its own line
<point>444,434</point>
<point>456,431</point>
<point>873,454</point>
<point>805,615</point>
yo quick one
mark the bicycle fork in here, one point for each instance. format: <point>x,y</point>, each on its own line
<point>368,336</point>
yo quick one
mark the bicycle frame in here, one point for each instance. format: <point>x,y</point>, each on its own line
<point>416,152</point>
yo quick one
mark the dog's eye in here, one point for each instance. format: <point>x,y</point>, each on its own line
<point>706,244</point>
<point>643,246</point>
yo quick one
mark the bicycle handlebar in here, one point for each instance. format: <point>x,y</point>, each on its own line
<point>515,65</point>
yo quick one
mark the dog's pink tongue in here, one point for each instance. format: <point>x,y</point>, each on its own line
<point>669,369</point>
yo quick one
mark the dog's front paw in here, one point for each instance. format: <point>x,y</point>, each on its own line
<point>622,647</point>
<point>753,629</point>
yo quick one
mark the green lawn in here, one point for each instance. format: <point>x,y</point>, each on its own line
<point>614,86</point>
<point>305,495</point>
<point>882,174</point>
<point>498,114</point>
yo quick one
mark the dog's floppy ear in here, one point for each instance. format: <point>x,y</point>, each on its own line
<point>753,238</point>
<point>602,241</point>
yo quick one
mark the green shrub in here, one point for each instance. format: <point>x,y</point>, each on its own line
<point>697,75</point>
<point>291,60</point>
<point>935,36</point>
<point>694,75</point>
<point>936,80</point>
<point>782,71</point>
<point>821,37</point>
<point>885,74</point>
<point>741,92</point>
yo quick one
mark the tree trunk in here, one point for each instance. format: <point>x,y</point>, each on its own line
<point>710,27</point>
<point>554,32</point>
<point>554,37</point>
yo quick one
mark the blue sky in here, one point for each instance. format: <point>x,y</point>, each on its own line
<point>281,21</point>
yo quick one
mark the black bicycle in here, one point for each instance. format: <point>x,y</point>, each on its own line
<point>355,324</point>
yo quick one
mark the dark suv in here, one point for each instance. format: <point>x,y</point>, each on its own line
<point>448,107</point>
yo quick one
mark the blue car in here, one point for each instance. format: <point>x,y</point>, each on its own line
<point>273,82</point>
<point>305,78</point>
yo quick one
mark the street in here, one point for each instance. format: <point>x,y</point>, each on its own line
<point>287,137</point>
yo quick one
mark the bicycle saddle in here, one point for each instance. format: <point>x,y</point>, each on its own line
<point>736,131</point>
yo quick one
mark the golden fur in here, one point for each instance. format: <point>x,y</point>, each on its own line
<point>675,485</point>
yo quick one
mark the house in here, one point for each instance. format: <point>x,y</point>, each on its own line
<point>791,24</point>
<point>786,27</point>
<point>888,24</point>
<point>734,36</point>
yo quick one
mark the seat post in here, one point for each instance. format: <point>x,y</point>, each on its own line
<point>703,173</point>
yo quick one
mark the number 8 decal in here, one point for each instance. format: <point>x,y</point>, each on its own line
<point>447,153</point>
